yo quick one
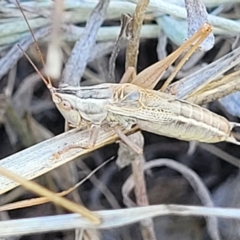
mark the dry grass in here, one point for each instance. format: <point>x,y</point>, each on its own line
<point>28,117</point>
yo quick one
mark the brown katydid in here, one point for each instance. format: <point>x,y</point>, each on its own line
<point>128,104</point>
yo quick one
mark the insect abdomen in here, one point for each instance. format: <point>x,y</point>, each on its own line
<point>191,122</point>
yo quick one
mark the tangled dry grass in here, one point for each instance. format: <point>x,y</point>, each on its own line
<point>180,177</point>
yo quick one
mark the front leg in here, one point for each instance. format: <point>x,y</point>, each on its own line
<point>93,130</point>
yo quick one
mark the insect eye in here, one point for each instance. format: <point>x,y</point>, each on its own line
<point>65,104</point>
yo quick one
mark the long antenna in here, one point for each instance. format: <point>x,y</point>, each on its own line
<point>48,81</point>
<point>34,66</point>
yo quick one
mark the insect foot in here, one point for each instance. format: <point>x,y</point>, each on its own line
<point>57,156</point>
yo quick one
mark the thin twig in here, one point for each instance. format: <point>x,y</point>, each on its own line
<point>126,29</point>
<point>34,187</point>
<point>193,179</point>
<point>42,200</point>
<point>191,84</point>
<point>133,43</point>
<point>98,184</point>
<point>110,218</point>
<point>221,154</point>
<point>217,89</point>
